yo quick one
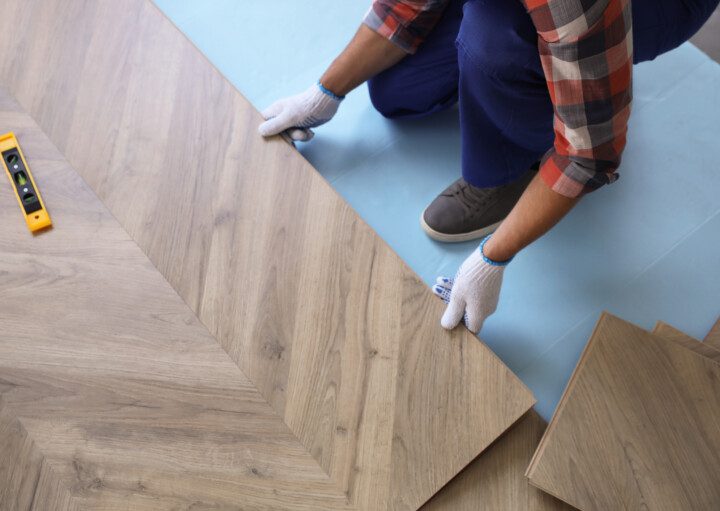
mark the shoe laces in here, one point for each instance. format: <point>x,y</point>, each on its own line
<point>472,199</point>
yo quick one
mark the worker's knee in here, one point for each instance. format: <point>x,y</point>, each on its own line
<point>497,38</point>
<point>384,92</point>
<point>415,89</point>
<point>397,93</point>
<point>402,93</point>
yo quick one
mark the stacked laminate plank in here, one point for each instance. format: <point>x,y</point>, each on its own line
<point>638,426</point>
<point>496,479</point>
<point>701,348</point>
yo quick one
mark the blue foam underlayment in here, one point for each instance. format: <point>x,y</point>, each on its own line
<point>645,248</point>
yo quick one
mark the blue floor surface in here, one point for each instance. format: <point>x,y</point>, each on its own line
<point>645,248</point>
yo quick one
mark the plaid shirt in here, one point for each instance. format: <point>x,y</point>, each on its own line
<point>586,53</point>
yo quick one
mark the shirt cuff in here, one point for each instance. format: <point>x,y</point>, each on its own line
<point>566,177</point>
<point>390,29</point>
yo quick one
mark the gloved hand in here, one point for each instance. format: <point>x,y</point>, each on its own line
<point>474,292</point>
<point>297,114</point>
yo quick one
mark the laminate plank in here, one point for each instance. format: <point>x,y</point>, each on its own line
<point>51,493</point>
<point>669,332</point>
<point>713,337</point>
<point>20,464</point>
<point>496,479</point>
<point>27,482</point>
<point>638,426</point>
<point>113,395</point>
<point>336,332</point>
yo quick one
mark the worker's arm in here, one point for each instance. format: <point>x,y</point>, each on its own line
<point>586,54</point>
<point>588,64</point>
<point>537,211</point>
<point>391,30</point>
<point>588,67</point>
<point>367,54</point>
<point>475,290</point>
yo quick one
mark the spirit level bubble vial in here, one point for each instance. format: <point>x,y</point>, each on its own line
<point>26,191</point>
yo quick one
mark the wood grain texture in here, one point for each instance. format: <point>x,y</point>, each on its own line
<point>713,337</point>
<point>20,465</point>
<point>638,426</point>
<point>331,327</point>
<point>669,332</point>
<point>113,395</point>
<point>496,479</point>
<point>27,481</point>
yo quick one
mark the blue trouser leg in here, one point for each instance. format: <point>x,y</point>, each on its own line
<point>427,81</point>
<point>494,69</point>
<point>662,25</point>
<point>505,109</point>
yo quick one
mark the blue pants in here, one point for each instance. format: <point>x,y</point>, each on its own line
<point>484,54</point>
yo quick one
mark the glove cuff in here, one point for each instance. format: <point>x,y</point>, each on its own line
<point>328,92</point>
<point>487,259</point>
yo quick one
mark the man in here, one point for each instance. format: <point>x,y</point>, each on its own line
<point>544,90</point>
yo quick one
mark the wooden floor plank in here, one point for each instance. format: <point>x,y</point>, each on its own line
<point>701,348</point>
<point>20,464</point>
<point>713,337</point>
<point>114,396</point>
<point>27,481</point>
<point>638,426</point>
<point>336,332</point>
<point>496,479</point>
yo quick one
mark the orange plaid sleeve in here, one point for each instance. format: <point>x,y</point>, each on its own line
<point>405,22</point>
<point>586,52</point>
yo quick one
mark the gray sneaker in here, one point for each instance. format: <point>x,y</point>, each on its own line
<point>464,212</point>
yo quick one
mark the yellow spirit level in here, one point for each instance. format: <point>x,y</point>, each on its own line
<point>26,190</point>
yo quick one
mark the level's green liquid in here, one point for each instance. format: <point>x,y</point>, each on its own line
<point>21,178</point>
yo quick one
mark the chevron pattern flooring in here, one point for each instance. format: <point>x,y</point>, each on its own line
<point>208,325</point>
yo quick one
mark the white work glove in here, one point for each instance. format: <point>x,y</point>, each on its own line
<point>474,292</point>
<point>297,114</point>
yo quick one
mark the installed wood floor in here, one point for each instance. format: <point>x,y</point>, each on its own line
<point>321,325</point>
<point>112,394</point>
<point>637,428</point>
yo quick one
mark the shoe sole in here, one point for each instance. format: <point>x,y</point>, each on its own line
<point>456,238</point>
